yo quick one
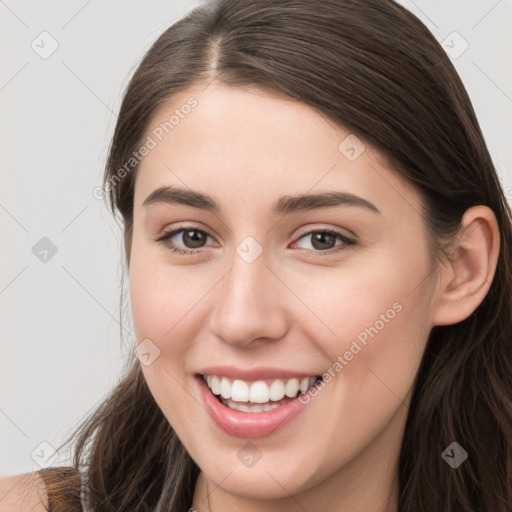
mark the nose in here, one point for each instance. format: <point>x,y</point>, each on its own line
<point>250,304</point>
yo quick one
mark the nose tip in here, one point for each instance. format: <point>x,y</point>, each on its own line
<point>248,305</point>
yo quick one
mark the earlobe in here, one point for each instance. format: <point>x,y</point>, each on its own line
<point>467,276</point>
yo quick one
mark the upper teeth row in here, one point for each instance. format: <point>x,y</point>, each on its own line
<point>259,391</point>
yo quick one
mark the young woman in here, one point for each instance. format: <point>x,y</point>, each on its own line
<point>320,275</point>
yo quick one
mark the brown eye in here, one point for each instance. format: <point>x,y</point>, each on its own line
<point>193,238</point>
<point>324,241</point>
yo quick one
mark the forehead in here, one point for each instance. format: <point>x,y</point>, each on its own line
<point>221,140</point>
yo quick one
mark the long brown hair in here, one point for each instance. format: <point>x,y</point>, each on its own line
<point>372,67</point>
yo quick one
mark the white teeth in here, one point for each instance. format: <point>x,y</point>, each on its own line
<point>239,391</point>
<point>258,392</point>
<point>250,408</point>
<point>292,388</point>
<point>225,388</point>
<point>269,407</point>
<point>276,390</point>
<point>304,384</point>
<point>215,385</point>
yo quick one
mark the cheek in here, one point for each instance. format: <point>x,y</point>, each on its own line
<point>372,321</point>
<point>363,300</point>
<point>162,297</point>
<point>161,303</point>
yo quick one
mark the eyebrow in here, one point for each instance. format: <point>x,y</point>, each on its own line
<point>284,205</point>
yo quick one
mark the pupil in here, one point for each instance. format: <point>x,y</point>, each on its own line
<point>194,239</point>
<point>321,238</point>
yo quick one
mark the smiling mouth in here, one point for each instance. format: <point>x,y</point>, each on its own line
<point>260,395</point>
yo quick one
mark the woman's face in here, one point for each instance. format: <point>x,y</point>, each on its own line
<point>264,292</point>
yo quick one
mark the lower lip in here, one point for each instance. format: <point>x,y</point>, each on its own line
<point>249,425</point>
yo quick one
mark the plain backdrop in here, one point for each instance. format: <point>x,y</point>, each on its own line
<point>64,67</point>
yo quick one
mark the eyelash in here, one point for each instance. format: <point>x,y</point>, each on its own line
<point>165,240</point>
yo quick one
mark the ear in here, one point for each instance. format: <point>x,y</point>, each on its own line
<point>467,277</point>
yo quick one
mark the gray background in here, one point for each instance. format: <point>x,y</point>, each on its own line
<point>60,337</point>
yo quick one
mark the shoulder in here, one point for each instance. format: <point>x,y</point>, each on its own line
<point>25,492</point>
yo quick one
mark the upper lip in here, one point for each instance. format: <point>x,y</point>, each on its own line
<point>252,374</point>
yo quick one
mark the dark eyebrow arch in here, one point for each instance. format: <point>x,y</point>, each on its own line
<point>284,205</point>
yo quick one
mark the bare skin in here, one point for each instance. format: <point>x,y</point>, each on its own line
<point>298,305</point>
<point>25,492</point>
